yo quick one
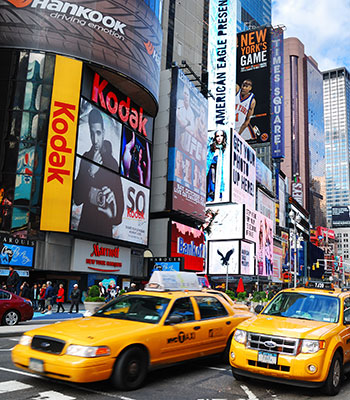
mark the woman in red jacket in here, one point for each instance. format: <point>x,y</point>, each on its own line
<point>60,298</point>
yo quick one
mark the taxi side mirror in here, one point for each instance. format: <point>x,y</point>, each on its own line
<point>347,317</point>
<point>173,319</point>
<point>258,308</point>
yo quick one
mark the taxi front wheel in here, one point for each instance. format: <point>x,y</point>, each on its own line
<point>130,369</point>
<point>335,375</point>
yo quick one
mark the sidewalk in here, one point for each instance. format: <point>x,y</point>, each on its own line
<point>40,320</point>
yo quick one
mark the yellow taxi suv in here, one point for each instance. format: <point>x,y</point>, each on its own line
<point>302,337</point>
<point>172,320</point>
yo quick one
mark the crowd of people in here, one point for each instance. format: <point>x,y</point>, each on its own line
<point>46,296</point>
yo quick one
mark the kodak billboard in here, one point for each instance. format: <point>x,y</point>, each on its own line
<point>61,142</point>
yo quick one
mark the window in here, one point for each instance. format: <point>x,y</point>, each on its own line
<point>183,307</point>
<point>4,295</point>
<point>210,307</point>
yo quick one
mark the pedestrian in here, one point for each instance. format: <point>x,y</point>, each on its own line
<point>48,298</point>
<point>111,291</point>
<point>13,281</point>
<point>132,287</point>
<point>75,298</point>
<point>60,298</point>
<point>34,296</point>
<point>25,290</point>
<point>42,298</point>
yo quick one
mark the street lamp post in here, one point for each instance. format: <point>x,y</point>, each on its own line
<point>295,218</point>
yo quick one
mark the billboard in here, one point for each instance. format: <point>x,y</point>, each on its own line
<point>243,185</point>
<point>277,94</point>
<point>221,63</point>
<point>259,229</point>
<point>61,141</point>
<point>95,127</point>
<point>99,257</point>
<point>226,220</point>
<point>247,258</point>
<point>136,158</point>
<point>16,252</point>
<point>115,103</point>
<point>340,216</point>
<point>264,175</point>
<point>252,115</point>
<point>123,36</point>
<point>109,205</point>
<point>188,243</point>
<point>187,146</point>
<point>218,173</point>
<point>223,257</point>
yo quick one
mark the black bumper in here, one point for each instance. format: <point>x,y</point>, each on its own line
<point>275,379</point>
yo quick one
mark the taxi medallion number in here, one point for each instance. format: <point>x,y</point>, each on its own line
<point>267,358</point>
<point>36,365</point>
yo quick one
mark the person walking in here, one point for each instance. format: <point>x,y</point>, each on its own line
<point>42,298</point>
<point>75,298</point>
<point>60,298</point>
<point>13,281</point>
<point>48,298</point>
<point>34,296</point>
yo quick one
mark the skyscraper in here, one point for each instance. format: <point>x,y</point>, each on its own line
<point>253,13</point>
<point>336,92</point>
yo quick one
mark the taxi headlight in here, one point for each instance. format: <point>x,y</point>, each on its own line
<point>312,346</point>
<point>240,336</point>
<point>25,340</point>
<point>88,351</point>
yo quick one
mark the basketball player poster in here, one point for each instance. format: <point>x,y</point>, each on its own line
<point>252,118</point>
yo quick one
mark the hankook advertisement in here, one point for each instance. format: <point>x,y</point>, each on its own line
<point>122,35</point>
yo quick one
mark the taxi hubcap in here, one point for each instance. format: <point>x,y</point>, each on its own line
<point>336,373</point>
<point>133,369</point>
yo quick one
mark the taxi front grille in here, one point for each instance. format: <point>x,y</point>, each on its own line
<point>276,344</point>
<point>283,368</point>
<point>47,344</point>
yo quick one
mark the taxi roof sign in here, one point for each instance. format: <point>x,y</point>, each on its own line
<point>173,281</point>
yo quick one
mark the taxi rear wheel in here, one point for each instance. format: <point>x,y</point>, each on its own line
<point>130,369</point>
<point>335,375</point>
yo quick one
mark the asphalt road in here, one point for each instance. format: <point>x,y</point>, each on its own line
<point>207,379</point>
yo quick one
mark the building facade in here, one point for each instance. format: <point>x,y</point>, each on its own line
<point>336,89</point>
<point>76,127</point>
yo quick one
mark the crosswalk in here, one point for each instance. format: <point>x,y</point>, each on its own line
<point>17,386</point>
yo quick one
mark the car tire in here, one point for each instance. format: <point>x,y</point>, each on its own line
<point>335,376</point>
<point>239,378</point>
<point>225,355</point>
<point>10,318</point>
<point>130,369</point>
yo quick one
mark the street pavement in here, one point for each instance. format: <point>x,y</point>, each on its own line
<point>40,320</point>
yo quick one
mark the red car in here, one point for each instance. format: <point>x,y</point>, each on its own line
<point>14,308</point>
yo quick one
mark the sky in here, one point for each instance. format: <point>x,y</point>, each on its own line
<point>323,26</point>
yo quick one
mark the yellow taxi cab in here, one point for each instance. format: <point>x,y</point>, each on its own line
<point>170,321</point>
<point>301,337</point>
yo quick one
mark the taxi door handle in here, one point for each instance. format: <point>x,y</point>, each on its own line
<point>228,322</point>
<point>196,328</point>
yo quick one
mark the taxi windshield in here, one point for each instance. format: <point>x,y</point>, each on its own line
<point>139,308</point>
<point>311,306</point>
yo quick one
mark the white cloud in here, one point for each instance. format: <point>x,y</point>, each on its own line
<point>321,25</point>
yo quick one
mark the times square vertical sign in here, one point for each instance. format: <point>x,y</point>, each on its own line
<point>222,63</point>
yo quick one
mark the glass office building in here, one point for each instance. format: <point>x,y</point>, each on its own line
<point>336,92</point>
<point>317,171</point>
<point>253,13</point>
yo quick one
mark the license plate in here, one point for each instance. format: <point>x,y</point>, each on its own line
<point>267,358</point>
<point>36,365</point>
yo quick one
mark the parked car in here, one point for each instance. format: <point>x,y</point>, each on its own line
<point>14,308</point>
